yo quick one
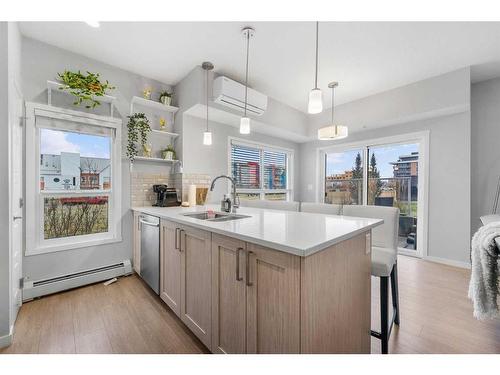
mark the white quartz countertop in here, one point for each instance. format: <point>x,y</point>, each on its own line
<point>298,233</point>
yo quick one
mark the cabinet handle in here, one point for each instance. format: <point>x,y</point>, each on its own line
<point>249,283</point>
<point>176,238</point>
<point>238,277</point>
<point>181,233</point>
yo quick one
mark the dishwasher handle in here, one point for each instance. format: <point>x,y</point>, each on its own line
<point>149,223</point>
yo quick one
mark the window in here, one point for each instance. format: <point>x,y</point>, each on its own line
<point>260,171</point>
<point>385,172</point>
<point>70,177</point>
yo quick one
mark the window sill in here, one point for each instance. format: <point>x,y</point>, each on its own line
<point>38,250</point>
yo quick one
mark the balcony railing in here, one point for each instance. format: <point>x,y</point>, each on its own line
<point>400,192</point>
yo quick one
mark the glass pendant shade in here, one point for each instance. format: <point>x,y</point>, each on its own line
<point>207,138</point>
<point>245,125</point>
<point>332,132</point>
<point>315,101</point>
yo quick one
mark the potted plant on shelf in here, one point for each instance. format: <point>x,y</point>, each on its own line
<point>86,88</point>
<point>168,153</point>
<point>166,97</point>
<point>138,127</point>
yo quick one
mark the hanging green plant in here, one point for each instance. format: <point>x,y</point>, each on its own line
<point>138,129</point>
<point>85,88</point>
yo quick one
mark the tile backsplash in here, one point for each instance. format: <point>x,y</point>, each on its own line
<point>141,189</point>
<point>142,185</point>
<point>200,180</point>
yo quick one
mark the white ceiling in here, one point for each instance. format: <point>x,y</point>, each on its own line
<point>364,57</point>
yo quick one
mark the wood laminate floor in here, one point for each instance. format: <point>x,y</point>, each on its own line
<point>125,317</point>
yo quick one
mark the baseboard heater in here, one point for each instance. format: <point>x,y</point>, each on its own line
<point>33,289</point>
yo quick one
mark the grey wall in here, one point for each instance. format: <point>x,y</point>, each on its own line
<point>485,139</point>
<point>40,63</point>
<point>437,96</point>
<point>449,180</point>
<point>4,187</point>
<point>213,160</point>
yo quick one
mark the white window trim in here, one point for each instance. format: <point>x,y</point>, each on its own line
<point>33,211</point>
<point>290,168</point>
<point>422,138</point>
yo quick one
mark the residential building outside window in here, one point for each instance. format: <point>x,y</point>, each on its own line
<point>261,171</point>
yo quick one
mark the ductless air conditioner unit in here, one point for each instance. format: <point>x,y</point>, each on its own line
<point>232,94</point>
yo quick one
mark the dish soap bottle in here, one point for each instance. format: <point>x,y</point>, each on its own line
<point>225,204</point>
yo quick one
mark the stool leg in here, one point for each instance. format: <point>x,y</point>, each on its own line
<point>395,292</point>
<point>384,314</point>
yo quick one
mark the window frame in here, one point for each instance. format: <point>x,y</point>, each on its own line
<point>34,208</point>
<point>289,191</point>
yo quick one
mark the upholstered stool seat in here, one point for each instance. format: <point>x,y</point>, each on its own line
<point>382,261</point>
<point>321,208</point>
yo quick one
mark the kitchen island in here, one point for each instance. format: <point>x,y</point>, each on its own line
<point>270,282</point>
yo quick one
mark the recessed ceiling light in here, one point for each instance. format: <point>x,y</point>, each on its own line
<point>92,23</point>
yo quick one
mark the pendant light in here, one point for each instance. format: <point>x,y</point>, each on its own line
<point>207,135</point>
<point>247,33</point>
<point>315,96</point>
<point>332,131</point>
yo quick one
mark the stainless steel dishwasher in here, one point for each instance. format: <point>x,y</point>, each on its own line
<point>150,251</point>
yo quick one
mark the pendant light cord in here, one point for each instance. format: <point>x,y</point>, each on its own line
<point>333,101</point>
<point>207,96</point>
<point>316,72</point>
<point>246,72</point>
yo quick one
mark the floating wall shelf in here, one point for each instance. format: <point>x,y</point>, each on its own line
<point>56,86</point>
<point>137,100</point>
<point>166,134</point>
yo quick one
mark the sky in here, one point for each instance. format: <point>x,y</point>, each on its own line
<point>55,141</point>
<point>344,161</point>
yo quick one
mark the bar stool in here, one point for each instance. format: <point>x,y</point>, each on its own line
<point>384,263</point>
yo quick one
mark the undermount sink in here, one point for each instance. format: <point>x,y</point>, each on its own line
<point>216,216</point>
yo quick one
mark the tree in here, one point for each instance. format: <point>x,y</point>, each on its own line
<point>374,182</point>
<point>356,182</point>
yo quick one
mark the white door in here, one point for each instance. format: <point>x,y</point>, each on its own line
<point>16,180</point>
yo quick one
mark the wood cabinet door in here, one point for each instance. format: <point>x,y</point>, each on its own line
<point>170,265</point>
<point>228,295</point>
<point>136,244</point>
<point>273,301</point>
<point>196,282</point>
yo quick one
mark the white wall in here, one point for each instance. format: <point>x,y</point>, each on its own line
<point>485,138</point>
<point>449,154</point>
<point>213,160</point>
<point>40,63</point>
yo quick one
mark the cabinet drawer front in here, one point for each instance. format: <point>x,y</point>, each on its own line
<point>228,296</point>
<point>273,301</point>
